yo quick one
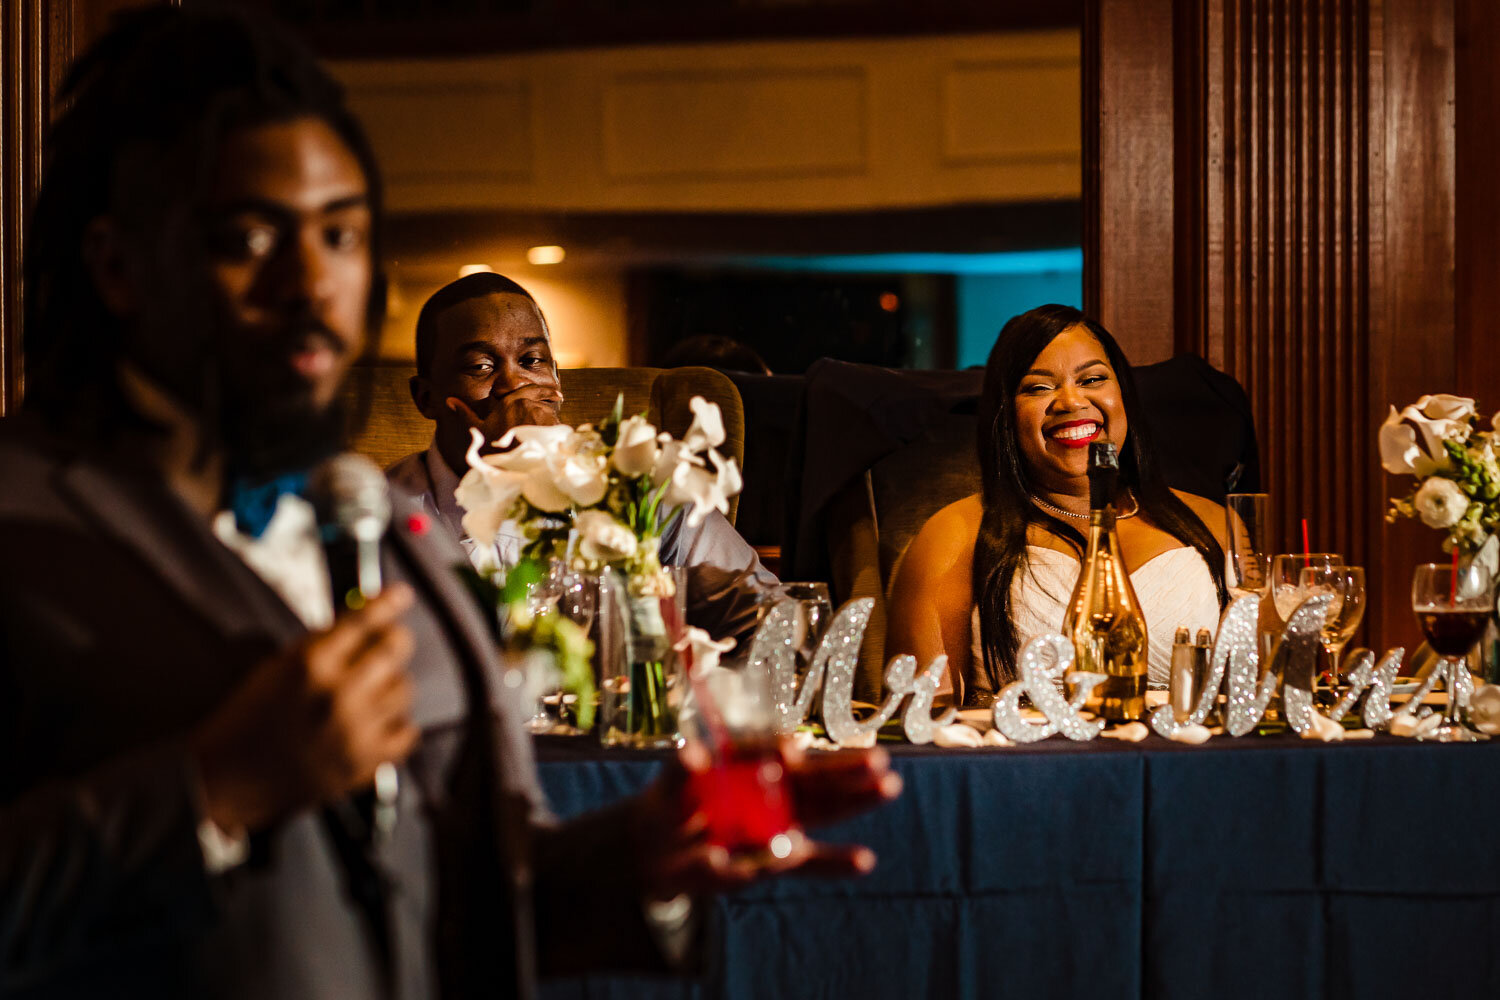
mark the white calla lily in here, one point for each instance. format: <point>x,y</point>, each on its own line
<point>525,448</point>
<point>1411,443</point>
<point>707,430</point>
<point>1442,406</point>
<point>704,648</point>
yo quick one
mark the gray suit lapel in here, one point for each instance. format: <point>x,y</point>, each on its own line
<point>141,513</point>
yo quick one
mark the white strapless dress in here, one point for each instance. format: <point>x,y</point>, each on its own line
<point>1175,588</point>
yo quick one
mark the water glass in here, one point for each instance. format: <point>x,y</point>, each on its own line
<point>1248,524</point>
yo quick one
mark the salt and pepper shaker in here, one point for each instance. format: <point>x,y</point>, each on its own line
<point>1202,657</point>
<point>1183,680</point>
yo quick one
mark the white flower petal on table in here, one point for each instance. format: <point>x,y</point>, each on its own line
<point>1324,730</point>
<point>1130,732</point>
<point>957,734</point>
<point>1192,735</point>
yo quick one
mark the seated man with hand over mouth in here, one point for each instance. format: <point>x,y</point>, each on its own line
<point>484,360</point>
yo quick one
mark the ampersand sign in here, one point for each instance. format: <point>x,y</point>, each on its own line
<point>1043,661</point>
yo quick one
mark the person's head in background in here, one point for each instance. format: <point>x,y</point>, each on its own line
<point>484,359</point>
<point>208,228</point>
<point>714,350</point>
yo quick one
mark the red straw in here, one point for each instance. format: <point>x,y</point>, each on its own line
<point>1453,584</point>
<point>1306,548</point>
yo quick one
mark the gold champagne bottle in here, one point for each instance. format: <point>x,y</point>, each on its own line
<point>1104,617</point>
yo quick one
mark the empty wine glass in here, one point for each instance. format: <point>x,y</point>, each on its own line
<point>1286,578</point>
<point>813,613</point>
<point>1453,605</point>
<point>1345,585</point>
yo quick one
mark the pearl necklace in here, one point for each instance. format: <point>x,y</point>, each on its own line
<point>1135,509</point>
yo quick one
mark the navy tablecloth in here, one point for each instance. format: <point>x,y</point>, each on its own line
<point>1246,868</point>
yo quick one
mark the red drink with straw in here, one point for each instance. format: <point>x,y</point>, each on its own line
<point>742,795</point>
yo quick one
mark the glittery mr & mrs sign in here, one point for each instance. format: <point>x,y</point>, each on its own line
<point>1234,666</point>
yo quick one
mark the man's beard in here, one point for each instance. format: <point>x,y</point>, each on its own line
<point>251,406</point>
<point>273,435</point>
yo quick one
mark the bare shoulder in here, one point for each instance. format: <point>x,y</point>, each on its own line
<point>945,543</point>
<point>953,528</point>
<point>1210,513</point>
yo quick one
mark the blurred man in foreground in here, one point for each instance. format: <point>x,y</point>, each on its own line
<point>189,726</point>
<point>484,360</point>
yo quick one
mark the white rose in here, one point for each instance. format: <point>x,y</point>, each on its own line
<point>531,446</point>
<point>707,430</point>
<point>581,476</point>
<point>602,539</point>
<point>1440,503</point>
<point>636,450</point>
<point>541,491</point>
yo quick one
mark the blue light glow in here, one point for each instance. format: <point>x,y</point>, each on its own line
<point>1065,260</point>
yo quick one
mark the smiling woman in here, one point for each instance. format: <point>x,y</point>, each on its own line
<point>994,569</point>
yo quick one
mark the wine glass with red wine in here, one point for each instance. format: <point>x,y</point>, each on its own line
<point>1453,605</point>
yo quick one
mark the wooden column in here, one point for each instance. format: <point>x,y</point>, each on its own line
<point>26,67</point>
<point>1312,206</point>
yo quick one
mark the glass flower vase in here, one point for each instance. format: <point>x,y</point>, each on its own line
<point>640,684</point>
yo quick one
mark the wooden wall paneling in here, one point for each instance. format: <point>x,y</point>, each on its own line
<point>1477,152</point>
<point>1274,174</point>
<point>1413,347</point>
<point>1312,207</point>
<point>1128,158</point>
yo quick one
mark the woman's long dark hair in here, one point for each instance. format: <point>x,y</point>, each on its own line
<point>1000,551</point>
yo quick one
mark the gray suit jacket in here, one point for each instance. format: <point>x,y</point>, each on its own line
<point>123,622</point>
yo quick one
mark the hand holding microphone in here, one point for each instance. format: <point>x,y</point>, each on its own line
<point>329,715</point>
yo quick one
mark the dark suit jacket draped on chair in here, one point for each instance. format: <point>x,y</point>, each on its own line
<point>123,621</point>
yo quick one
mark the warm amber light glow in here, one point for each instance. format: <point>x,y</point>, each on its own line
<point>469,269</point>
<point>546,255</point>
<point>889,301</point>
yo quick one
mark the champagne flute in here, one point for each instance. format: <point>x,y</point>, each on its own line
<point>1453,605</point>
<point>1248,520</point>
<point>1346,586</point>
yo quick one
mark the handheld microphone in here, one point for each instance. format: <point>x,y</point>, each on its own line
<point>353,505</point>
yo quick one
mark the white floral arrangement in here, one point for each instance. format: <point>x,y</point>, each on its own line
<point>1455,465</point>
<point>598,497</point>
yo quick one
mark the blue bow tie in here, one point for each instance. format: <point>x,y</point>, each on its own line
<point>254,504</point>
